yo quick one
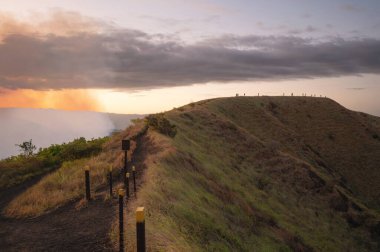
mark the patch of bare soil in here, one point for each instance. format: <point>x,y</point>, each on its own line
<point>66,229</point>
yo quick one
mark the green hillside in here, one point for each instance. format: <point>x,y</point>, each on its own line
<point>262,174</point>
<point>227,174</point>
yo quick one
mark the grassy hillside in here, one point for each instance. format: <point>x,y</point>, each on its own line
<point>65,184</point>
<point>233,174</point>
<point>319,131</point>
<point>49,213</point>
<point>18,169</point>
<point>262,174</point>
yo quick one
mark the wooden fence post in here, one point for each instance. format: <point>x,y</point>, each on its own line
<point>127,185</point>
<point>134,179</point>
<point>125,145</point>
<point>87,182</point>
<point>121,220</point>
<point>140,229</point>
<point>110,181</point>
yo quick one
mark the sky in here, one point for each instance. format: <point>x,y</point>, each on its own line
<point>141,56</point>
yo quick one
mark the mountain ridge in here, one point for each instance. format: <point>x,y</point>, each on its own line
<point>264,173</point>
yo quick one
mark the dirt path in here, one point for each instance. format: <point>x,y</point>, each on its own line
<point>7,195</point>
<point>67,228</point>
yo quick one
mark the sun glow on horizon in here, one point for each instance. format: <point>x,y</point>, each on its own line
<point>342,89</point>
<point>65,99</point>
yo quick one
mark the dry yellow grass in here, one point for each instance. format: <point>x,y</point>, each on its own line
<point>160,230</point>
<point>241,173</point>
<point>56,189</point>
<point>246,173</point>
<point>67,183</point>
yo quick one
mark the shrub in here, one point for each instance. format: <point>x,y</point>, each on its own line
<point>161,124</point>
<point>27,148</point>
<point>14,170</point>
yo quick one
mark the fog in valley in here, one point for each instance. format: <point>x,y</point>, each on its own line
<point>48,126</point>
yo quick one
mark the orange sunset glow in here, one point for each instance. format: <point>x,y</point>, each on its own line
<point>70,60</point>
<point>203,125</point>
<point>55,99</point>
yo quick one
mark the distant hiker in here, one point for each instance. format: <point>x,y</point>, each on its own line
<point>244,94</point>
<point>292,94</point>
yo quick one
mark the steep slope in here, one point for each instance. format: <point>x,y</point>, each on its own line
<point>50,214</point>
<point>320,131</point>
<point>263,174</point>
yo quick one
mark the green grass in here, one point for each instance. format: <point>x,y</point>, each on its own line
<point>54,190</point>
<point>18,169</point>
<point>223,184</point>
<point>67,182</point>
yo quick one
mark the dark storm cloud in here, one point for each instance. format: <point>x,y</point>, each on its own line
<point>135,60</point>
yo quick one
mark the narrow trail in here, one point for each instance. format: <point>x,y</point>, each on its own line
<point>66,228</point>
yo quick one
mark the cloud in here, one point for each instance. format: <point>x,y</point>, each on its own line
<point>46,127</point>
<point>130,59</point>
<point>357,88</point>
<point>307,29</point>
<point>351,8</point>
<point>58,22</point>
<point>306,15</point>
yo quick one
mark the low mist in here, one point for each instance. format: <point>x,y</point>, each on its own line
<point>47,126</point>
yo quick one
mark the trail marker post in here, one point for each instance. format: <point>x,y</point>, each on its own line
<point>87,182</point>
<point>121,220</point>
<point>125,146</point>
<point>140,229</point>
<point>110,181</point>
<point>134,179</point>
<point>127,185</point>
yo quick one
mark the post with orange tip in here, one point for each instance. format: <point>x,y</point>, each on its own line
<point>140,229</point>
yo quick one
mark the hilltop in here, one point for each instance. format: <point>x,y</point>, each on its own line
<point>225,174</point>
<point>264,173</point>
